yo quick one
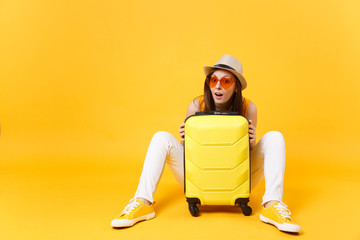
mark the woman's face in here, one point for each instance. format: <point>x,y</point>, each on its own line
<point>220,94</point>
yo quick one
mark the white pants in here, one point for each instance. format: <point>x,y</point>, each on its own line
<point>267,159</point>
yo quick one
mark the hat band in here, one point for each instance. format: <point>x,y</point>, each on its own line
<point>224,66</point>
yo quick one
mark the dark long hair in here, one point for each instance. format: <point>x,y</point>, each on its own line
<point>235,100</point>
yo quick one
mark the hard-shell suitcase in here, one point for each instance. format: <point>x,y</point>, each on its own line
<point>217,160</point>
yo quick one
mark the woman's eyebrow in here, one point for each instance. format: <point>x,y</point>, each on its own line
<point>226,75</point>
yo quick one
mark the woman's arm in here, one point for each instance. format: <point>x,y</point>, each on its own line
<point>251,115</point>
<point>192,109</point>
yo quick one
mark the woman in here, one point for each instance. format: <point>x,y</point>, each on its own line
<point>222,91</point>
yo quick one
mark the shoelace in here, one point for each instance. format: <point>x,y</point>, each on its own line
<point>130,207</point>
<point>282,208</point>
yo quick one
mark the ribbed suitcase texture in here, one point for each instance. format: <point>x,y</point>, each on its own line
<point>217,161</point>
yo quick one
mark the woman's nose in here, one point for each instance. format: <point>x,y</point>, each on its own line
<point>218,85</point>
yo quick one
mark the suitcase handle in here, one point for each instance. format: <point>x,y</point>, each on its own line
<point>217,113</point>
<point>213,113</point>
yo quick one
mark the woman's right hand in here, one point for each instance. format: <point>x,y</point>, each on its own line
<point>192,109</point>
<point>182,132</point>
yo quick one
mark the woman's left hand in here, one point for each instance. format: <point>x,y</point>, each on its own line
<point>252,132</point>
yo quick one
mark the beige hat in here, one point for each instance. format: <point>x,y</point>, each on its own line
<point>231,64</point>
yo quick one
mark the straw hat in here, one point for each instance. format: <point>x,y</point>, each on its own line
<point>231,64</point>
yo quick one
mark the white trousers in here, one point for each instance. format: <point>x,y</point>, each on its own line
<point>267,159</point>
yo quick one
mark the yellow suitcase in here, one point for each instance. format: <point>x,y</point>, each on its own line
<point>217,160</point>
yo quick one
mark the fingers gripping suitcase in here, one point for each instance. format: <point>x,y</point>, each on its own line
<point>217,160</point>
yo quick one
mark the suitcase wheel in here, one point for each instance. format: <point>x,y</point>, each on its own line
<point>194,210</point>
<point>245,209</point>
<point>243,204</point>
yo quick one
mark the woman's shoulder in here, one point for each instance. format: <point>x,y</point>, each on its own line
<point>251,107</point>
<point>199,99</point>
<point>248,101</point>
<point>199,102</point>
<point>194,106</point>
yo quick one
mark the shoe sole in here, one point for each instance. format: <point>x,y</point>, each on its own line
<point>281,227</point>
<point>129,223</point>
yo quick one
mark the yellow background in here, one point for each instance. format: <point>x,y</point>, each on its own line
<point>85,84</point>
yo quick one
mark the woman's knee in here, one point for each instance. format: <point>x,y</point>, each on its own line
<point>161,136</point>
<point>274,136</point>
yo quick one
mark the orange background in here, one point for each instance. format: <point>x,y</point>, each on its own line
<point>85,84</point>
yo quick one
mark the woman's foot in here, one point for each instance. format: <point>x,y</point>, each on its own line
<point>134,212</point>
<point>278,215</point>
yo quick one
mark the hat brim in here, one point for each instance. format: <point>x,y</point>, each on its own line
<point>207,70</point>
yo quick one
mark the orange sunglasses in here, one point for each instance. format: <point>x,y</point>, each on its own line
<point>225,82</point>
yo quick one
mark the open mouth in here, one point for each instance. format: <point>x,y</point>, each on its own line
<point>218,94</point>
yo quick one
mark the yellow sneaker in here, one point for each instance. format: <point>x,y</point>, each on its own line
<point>278,215</point>
<point>134,212</point>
